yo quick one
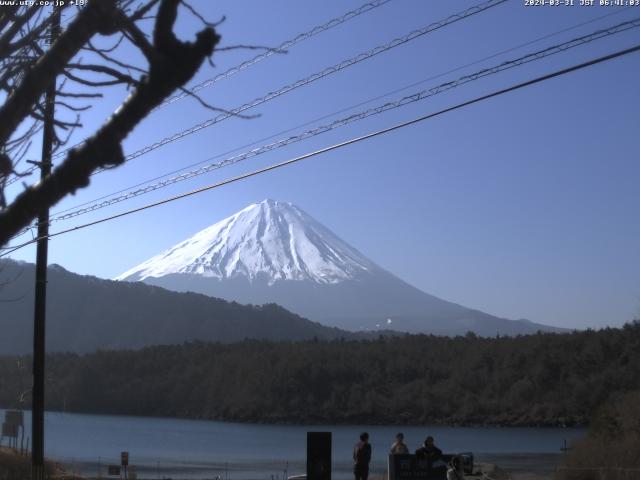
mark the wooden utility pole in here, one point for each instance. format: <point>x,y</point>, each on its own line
<point>39,318</point>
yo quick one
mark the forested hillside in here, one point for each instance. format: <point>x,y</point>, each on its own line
<point>85,314</point>
<point>543,379</point>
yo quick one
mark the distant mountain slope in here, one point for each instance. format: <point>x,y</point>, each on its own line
<point>86,313</point>
<point>273,251</point>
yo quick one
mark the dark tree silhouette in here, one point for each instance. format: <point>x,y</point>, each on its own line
<point>84,67</point>
<point>542,379</point>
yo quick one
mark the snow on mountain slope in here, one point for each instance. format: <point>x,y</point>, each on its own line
<point>271,239</point>
<point>273,252</point>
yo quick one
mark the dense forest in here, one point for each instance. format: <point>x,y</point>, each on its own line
<point>542,379</point>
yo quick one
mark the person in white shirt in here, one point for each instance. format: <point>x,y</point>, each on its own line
<point>399,446</point>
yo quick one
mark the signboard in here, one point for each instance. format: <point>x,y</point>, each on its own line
<point>410,467</point>
<point>113,470</point>
<point>124,458</point>
<point>318,455</point>
<point>13,417</point>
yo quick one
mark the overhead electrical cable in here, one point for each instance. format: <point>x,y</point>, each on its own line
<point>316,76</point>
<point>409,99</point>
<point>78,210</point>
<point>282,48</point>
<point>336,146</point>
<point>615,12</point>
<point>342,110</point>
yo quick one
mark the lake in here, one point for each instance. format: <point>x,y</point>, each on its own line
<point>178,448</point>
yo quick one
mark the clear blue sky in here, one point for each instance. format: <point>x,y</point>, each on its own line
<point>525,206</point>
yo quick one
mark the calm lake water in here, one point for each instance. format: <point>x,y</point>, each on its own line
<point>176,448</point>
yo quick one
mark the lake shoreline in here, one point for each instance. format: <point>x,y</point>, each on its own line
<point>516,466</point>
<point>320,421</point>
<point>187,448</point>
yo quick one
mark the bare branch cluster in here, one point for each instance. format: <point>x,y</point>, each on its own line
<point>85,58</point>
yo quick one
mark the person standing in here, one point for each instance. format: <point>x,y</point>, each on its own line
<point>399,446</point>
<point>362,457</point>
<point>429,451</point>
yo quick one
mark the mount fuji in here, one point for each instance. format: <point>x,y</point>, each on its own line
<point>274,252</point>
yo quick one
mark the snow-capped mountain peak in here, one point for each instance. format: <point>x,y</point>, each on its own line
<point>273,240</point>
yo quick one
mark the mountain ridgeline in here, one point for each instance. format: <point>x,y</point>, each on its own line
<point>273,251</point>
<point>87,313</point>
<point>293,279</point>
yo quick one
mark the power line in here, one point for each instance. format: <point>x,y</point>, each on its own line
<point>287,44</point>
<point>78,210</point>
<point>316,76</point>
<point>476,62</point>
<point>280,48</point>
<point>398,126</point>
<point>415,97</point>
<point>297,84</point>
<point>302,82</point>
<point>342,110</point>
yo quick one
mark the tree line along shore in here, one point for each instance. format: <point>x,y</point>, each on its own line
<point>533,380</point>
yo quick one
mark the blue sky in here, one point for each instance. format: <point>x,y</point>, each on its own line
<point>524,206</point>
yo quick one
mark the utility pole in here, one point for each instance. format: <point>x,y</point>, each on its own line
<point>39,318</point>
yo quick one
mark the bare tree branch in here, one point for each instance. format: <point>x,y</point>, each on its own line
<point>143,10</point>
<point>102,53</point>
<point>14,28</point>
<point>78,95</point>
<point>94,83</point>
<point>247,47</point>
<point>95,17</point>
<point>121,77</point>
<point>172,63</point>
